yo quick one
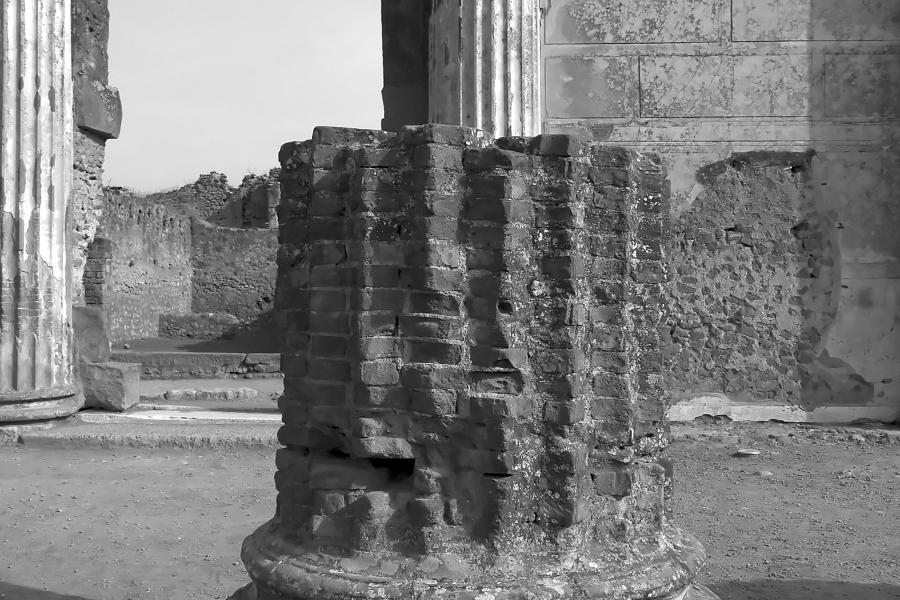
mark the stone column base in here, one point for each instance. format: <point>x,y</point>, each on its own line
<point>694,591</point>
<point>282,571</point>
<point>40,405</point>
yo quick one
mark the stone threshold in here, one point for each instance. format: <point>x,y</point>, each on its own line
<point>719,405</point>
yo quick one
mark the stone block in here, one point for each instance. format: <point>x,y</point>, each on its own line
<point>800,20</point>
<point>91,340</point>
<point>98,108</point>
<point>862,85</point>
<point>637,21</point>
<point>200,326</point>
<point>111,385</point>
<point>773,85</point>
<point>592,87</point>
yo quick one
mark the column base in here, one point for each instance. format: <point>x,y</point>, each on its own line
<point>695,591</point>
<point>281,570</point>
<point>41,405</point>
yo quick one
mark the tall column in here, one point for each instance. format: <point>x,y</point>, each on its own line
<point>484,65</point>
<point>36,375</point>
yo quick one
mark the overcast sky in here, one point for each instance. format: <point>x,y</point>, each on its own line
<point>219,85</point>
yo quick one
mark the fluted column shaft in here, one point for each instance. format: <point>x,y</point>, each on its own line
<point>484,65</point>
<point>36,124</point>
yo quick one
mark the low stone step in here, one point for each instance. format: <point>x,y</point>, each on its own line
<point>119,431</point>
<point>200,365</point>
<point>212,394</point>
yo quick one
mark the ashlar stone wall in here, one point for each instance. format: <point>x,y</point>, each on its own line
<point>777,121</point>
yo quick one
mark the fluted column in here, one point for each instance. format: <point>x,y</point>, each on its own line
<point>36,375</point>
<point>484,65</point>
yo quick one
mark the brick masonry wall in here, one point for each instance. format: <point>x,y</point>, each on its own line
<point>708,84</point>
<point>97,269</point>
<point>234,270</point>
<point>150,271</point>
<point>90,61</point>
<point>472,346</point>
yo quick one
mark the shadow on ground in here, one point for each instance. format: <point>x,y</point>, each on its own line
<point>804,589</point>
<point>9,591</point>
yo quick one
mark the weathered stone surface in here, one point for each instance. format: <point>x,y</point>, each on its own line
<point>183,365</point>
<point>233,270</point>
<point>607,22</point>
<point>862,85</point>
<point>149,269</point>
<point>201,326</point>
<point>478,396</point>
<point>36,157</point>
<point>725,86</point>
<point>485,66</point>
<point>786,20</point>
<point>91,340</point>
<point>111,385</point>
<point>98,108</point>
<point>582,86</point>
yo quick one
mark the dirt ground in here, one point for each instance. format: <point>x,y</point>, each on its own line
<point>816,516</point>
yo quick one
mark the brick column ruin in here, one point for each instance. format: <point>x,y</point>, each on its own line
<point>473,401</point>
<point>484,69</point>
<point>36,123</point>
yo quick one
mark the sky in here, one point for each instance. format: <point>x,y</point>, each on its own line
<point>220,85</point>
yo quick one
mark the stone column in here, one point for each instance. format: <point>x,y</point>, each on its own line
<point>484,65</point>
<point>36,123</point>
<point>473,404</point>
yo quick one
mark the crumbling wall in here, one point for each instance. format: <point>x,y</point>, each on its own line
<point>150,270</point>
<point>704,83</point>
<point>471,337</point>
<point>203,198</point>
<point>98,114</point>
<point>254,204</point>
<point>234,270</point>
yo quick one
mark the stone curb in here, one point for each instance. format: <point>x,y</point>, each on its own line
<point>192,435</point>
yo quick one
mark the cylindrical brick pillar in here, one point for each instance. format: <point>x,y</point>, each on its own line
<point>473,402</point>
<point>36,374</point>
<point>484,65</point>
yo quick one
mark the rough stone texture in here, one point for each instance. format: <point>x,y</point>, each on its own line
<point>756,285</point>
<point>87,202</point>
<point>473,393</point>
<point>234,270</point>
<point>111,385</point>
<point>199,365</point>
<point>94,104</point>
<point>756,90</point>
<point>91,340</point>
<point>254,204</point>
<point>150,270</point>
<point>201,326</point>
<point>404,35</point>
<point>203,198</point>
<point>97,269</point>
<point>604,22</point>
<point>788,20</point>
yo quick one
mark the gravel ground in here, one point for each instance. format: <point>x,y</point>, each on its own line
<point>815,516</point>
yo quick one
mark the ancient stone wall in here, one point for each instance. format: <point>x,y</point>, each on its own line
<point>704,83</point>
<point>472,347</point>
<point>202,198</point>
<point>150,270</point>
<point>234,270</point>
<point>98,114</point>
